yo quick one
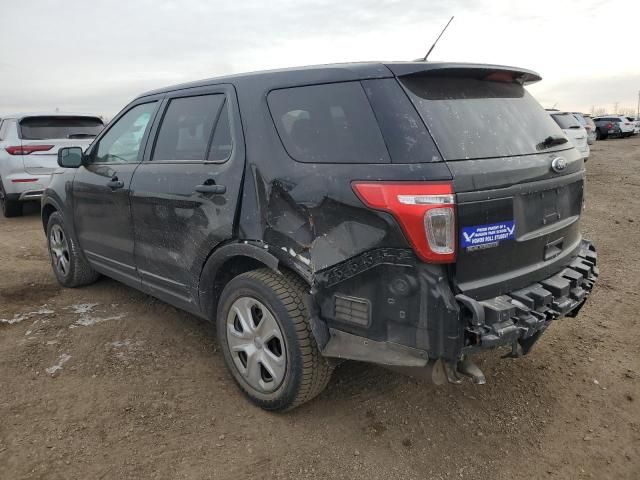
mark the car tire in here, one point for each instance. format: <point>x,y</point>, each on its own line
<point>282,368</point>
<point>69,266</point>
<point>10,208</point>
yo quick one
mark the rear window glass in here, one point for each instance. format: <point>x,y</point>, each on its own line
<point>328,124</point>
<point>581,120</point>
<point>43,128</point>
<point>565,120</point>
<point>472,118</point>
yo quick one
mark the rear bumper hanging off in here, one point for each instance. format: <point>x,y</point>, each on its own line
<point>522,315</point>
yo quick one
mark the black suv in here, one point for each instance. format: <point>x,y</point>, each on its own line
<point>405,214</point>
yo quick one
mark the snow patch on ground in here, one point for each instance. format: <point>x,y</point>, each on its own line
<point>86,315</point>
<point>83,308</point>
<point>64,358</point>
<point>87,321</point>
<point>21,317</point>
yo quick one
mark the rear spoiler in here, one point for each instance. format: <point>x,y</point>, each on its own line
<point>474,70</point>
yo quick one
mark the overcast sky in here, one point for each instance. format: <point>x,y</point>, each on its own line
<point>96,55</point>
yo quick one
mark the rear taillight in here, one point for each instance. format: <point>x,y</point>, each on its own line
<point>610,126</point>
<point>27,149</point>
<point>425,211</point>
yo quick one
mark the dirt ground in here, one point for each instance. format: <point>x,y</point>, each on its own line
<point>105,382</point>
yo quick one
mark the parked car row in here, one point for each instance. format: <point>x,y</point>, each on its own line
<point>616,126</point>
<point>582,130</point>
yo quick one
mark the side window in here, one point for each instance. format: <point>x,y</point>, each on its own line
<point>187,128</point>
<point>405,134</point>
<point>121,143</point>
<point>331,123</point>
<point>8,129</point>
<point>222,144</point>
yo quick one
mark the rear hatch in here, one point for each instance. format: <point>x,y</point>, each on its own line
<point>518,218</point>
<point>43,136</point>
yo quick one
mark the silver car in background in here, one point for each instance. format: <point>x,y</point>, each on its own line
<point>589,125</point>
<point>29,146</point>
<point>576,133</point>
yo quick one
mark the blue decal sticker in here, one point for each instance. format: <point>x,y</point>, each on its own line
<point>486,236</point>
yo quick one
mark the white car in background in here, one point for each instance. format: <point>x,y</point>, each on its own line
<point>576,133</point>
<point>29,146</point>
<point>636,121</point>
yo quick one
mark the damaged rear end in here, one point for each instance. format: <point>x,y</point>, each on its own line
<point>493,249</point>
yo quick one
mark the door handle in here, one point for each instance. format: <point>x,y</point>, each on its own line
<point>115,183</point>
<point>210,187</point>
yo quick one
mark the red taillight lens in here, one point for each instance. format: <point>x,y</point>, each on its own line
<point>24,180</point>
<point>27,149</point>
<point>425,211</point>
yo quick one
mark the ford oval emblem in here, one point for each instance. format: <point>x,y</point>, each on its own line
<point>558,164</point>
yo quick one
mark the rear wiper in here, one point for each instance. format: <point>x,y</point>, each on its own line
<point>81,135</point>
<point>552,141</point>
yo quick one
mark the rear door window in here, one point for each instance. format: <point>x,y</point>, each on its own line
<point>58,127</point>
<point>471,118</point>
<point>187,128</point>
<point>331,123</point>
<point>222,143</point>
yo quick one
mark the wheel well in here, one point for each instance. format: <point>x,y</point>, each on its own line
<point>230,269</point>
<point>47,211</point>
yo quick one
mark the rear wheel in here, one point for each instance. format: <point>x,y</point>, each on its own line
<point>69,267</point>
<point>264,331</point>
<point>10,208</point>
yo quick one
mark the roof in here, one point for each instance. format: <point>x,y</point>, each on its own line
<point>20,116</point>
<point>351,71</point>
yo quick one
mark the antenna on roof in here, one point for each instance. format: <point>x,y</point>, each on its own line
<point>434,43</point>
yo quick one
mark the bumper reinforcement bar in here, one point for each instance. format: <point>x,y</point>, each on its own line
<point>519,317</point>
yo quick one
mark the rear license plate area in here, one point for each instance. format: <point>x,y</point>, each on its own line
<point>541,209</point>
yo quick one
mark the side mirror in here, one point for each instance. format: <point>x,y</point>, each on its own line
<point>70,157</point>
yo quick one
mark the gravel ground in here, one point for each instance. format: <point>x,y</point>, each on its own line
<point>106,382</point>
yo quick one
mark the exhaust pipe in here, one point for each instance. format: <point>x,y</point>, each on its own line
<point>439,372</point>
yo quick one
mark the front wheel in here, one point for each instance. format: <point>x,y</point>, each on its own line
<point>69,267</point>
<point>264,331</point>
